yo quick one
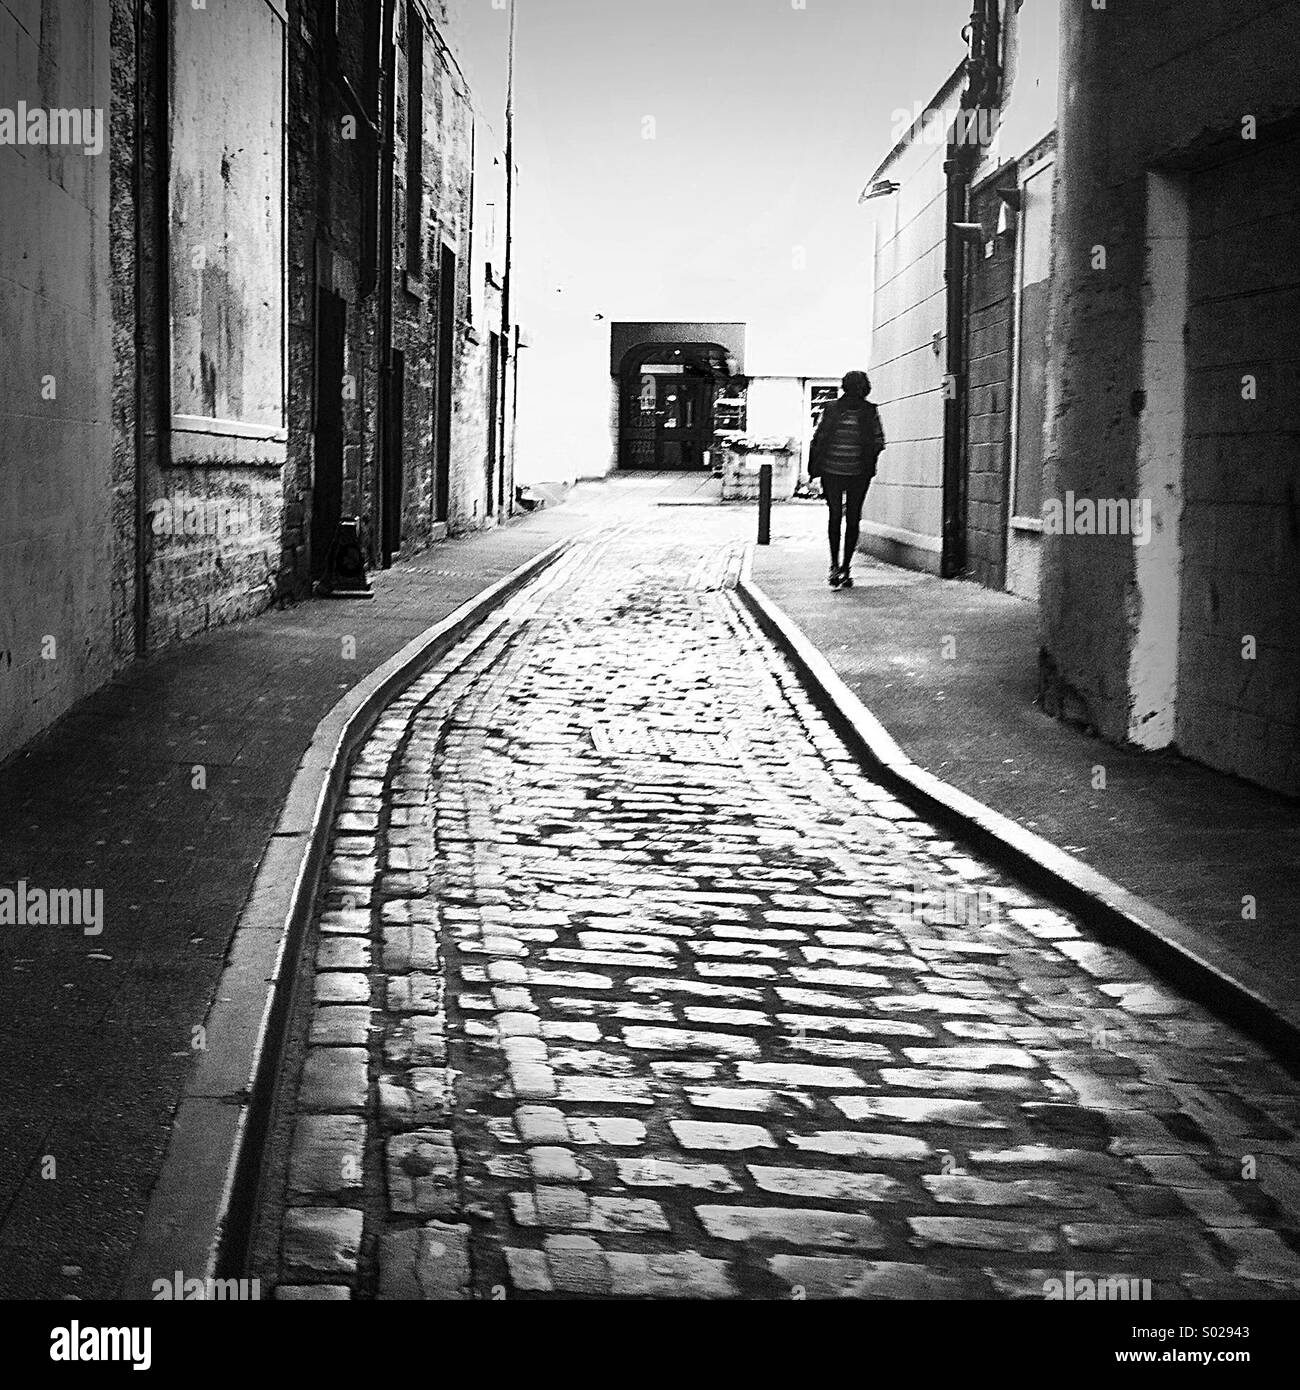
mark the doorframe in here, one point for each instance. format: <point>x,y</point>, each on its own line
<point>444,381</point>
<point>1030,168</point>
<point>639,356</point>
<point>318,546</point>
<point>494,421</point>
<point>394,461</point>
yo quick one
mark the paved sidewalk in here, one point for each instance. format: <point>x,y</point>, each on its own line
<point>162,790</point>
<point>1190,840</point>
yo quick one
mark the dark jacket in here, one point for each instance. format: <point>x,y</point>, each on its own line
<point>873,437</point>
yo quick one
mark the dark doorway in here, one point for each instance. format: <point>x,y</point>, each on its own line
<point>327,478</point>
<point>666,401</point>
<point>494,419</point>
<point>446,376</point>
<point>394,459</point>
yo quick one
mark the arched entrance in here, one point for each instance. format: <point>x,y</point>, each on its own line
<point>666,396</point>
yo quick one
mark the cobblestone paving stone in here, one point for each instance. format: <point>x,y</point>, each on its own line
<point>629,983</point>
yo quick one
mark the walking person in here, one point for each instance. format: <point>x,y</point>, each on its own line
<point>845,446</point>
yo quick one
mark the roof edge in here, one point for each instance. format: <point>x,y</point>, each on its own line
<point>949,88</point>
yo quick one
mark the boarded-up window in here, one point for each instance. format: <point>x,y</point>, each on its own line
<point>227,231</point>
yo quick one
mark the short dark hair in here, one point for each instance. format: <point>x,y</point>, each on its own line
<point>856,384</point>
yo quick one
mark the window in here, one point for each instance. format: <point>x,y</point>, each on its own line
<point>352,41</point>
<point>819,397</point>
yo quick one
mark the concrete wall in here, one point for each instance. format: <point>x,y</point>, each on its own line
<point>903,518</point>
<point>1153,171</point>
<point>1241,483</point>
<point>1031,80</point>
<point>57,477</point>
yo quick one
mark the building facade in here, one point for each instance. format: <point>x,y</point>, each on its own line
<point>274,300</point>
<point>962,255</point>
<point>903,522</point>
<point>1172,401</point>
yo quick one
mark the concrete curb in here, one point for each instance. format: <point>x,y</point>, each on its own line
<point>202,1203</point>
<point>1178,953</point>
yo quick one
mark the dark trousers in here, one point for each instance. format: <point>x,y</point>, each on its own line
<point>844,496</point>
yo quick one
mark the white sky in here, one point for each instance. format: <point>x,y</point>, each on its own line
<point>768,119</point>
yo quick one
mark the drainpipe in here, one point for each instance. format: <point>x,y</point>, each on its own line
<point>388,77</point>
<point>509,350</point>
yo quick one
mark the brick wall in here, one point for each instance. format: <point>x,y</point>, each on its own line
<point>989,307</point>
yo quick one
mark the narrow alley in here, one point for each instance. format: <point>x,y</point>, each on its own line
<point>628,982</point>
<point>649,657</point>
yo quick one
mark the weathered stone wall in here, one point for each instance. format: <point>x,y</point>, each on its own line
<point>446,127</point>
<point>1153,92</point>
<point>471,431</point>
<point>213,545</point>
<point>59,484</point>
<point>159,300</point>
<point>332,235</point>
<point>226,282</point>
<point>122,261</point>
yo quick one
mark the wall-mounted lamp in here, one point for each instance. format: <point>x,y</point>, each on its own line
<point>972,233</point>
<point>1010,202</point>
<point>882,188</point>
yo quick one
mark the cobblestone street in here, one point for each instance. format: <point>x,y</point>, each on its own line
<point>628,982</point>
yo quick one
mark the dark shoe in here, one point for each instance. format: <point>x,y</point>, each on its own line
<point>833,579</point>
<point>846,579</point>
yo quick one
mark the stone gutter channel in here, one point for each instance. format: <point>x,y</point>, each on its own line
<point>200,1213</point>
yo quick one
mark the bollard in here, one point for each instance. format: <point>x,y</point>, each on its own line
<point>765,504</point>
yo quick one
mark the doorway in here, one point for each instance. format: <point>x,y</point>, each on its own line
<point>666,416</point>
<point>327,474</point>
<point>445,379</point>
<point>394,460</point>
<point>494,420</point>
<point>1033,285</point>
